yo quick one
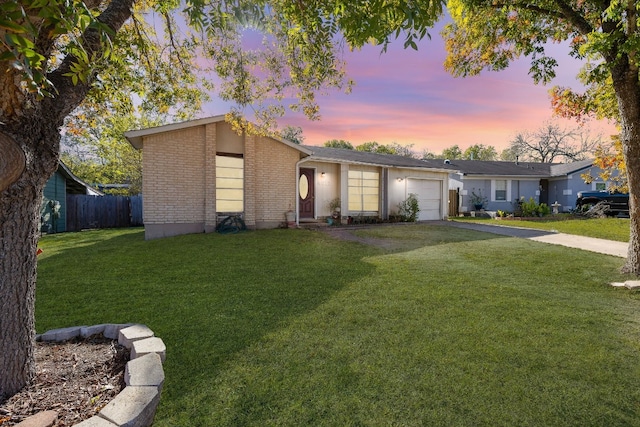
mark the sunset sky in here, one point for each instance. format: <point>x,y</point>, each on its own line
<point>406,96</point>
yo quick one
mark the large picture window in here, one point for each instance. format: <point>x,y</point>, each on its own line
<point>364,191</point>
<point>229,183</point>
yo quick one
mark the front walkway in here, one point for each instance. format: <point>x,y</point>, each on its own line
<point>607,247</point>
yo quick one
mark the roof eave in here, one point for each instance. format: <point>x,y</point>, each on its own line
<point>484,176</point>
<point>382,165</point>
<point>135,137</point>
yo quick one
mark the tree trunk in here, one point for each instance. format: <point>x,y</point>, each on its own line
<point>19,223</point>
<point>32,125</point>
<point>627,88</point>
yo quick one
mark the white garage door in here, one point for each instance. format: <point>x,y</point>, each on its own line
<point>429,194</point>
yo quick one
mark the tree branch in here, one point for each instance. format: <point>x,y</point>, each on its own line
<point>565,12</point>
<point>578,20</point>
<point>70,95</point>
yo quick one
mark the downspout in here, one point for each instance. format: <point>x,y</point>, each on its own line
<point>297,196</point>
<point>385,194</point>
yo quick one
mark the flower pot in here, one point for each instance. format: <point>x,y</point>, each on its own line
<point>291,219</point>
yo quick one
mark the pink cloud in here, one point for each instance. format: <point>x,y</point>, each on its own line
<point>407,97</point>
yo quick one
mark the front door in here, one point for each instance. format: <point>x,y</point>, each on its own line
<point>306,193</point>
<point>544,191</point>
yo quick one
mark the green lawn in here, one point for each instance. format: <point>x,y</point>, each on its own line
<point>603,228</point>
<point>293,328</point>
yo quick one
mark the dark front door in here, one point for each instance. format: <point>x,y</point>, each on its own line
<point>306,193</point>
<point>544,191</point>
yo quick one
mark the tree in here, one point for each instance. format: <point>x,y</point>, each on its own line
<point>393,148</point>
<point>598,101</point>
<point>99,154</point>
<point>292,134</point>
<point>451,153</point>
<point>610,160</point>
<point>339,143</point>
<point>551,143</point>
<point>374,147</point>
<point>425,154</point>
<point>403,150</point>
<point>509,155</point>
<point>489,35</point>
<point>158,91</point>
<point>480,152</point>
<point>53,53</point>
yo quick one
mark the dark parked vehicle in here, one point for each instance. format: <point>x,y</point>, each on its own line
<point>618,203</point>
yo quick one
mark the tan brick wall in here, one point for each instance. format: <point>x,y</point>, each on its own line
<point>250,181</point>
<point>173,177</point>
<point>179,177</point>
<point>275,190</point>
<point>210,177</point>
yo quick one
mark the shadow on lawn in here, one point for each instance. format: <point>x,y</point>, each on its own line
<point>207,296</point>
<point>410,236</point>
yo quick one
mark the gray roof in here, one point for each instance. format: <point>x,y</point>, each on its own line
<point>385,160</point>
<point>74,184</point>
<point>496,168</point>
<point>569,168</point>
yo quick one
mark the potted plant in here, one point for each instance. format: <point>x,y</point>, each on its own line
<point>477,199</point>
<point>334,207</point>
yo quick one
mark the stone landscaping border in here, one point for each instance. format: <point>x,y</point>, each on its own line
<point>136,404</point>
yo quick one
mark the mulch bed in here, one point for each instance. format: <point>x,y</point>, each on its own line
<point>76,379</point>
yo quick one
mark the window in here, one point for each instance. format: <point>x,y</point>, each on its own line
<point>229,183</point>
<point>601,186</point>
<point>363,191</point>
<point>500,192</point>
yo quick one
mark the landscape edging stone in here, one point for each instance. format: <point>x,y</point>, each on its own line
<point>136,404</point>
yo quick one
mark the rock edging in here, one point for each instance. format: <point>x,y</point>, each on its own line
<point>136,404</point>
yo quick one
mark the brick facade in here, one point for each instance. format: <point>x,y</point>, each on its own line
<point>179,178</point>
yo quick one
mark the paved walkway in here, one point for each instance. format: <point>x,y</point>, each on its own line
<point>607,247</point>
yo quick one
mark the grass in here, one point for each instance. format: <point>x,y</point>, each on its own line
<point>291,327</point>
<point>603,228</point>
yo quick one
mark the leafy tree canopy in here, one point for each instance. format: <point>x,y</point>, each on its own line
<point>292,134</point>
<point>480,152</point>
<point>451,153</point>
<point>613,168</point>
<point>393,148</point>
<point>339,143</point>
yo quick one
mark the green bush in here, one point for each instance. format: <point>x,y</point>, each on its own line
<point>408,209</point>
<point>531,208</point>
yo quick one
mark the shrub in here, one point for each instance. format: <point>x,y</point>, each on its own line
<point>531,208</point>
<point>408,209</point>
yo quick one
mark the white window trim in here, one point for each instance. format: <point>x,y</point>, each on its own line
<point>361,187</point>
<point>593,185</point>
<point>493,190</point>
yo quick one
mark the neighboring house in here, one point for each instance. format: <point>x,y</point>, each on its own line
<point>62,183</point>
<point>566,181</point>
<point>503,183</point>
<point>196,173</point>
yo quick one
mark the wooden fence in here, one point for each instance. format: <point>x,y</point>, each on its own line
<point>85,212</point>
<point>454,203</point>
